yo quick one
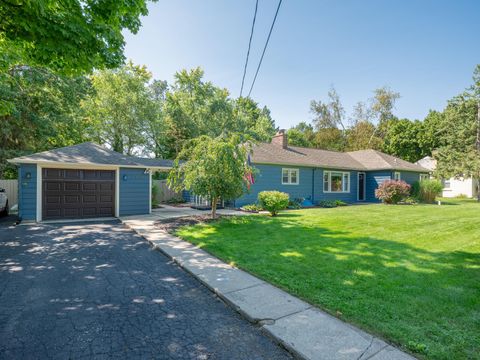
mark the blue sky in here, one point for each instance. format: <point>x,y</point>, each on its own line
<point>424,49</point>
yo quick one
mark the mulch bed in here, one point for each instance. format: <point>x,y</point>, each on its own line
<point>171,225</point>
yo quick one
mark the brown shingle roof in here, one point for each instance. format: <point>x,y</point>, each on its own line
<point>264,153</point>
<point>376,160</point>
<point>90,153</point>
<point>293,155</point>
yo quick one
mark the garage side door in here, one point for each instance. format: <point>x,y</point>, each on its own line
<point>77,193</point>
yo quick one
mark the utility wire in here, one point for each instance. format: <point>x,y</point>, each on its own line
<point>249,44</point>
<point>265,48</point>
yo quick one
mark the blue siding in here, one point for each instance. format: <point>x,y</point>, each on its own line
<point>27,192</point>
<point>134,192</point>
<point>374,179</point>
<point>409,177</point>
<point>349,197</point>
<point>269,177</point>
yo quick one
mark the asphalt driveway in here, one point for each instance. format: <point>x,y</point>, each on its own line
<point>97,290</point>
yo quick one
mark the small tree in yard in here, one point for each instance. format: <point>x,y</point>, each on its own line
<point>273,201</point>
<point>215,168</point>
<point>392,191</point>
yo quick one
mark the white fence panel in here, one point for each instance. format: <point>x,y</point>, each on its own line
<point>11,189</point>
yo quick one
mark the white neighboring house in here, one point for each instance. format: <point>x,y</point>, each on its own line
<point>452,187</point>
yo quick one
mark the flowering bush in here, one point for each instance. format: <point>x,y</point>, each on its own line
<point>392,191</point>
<point>273,201</point>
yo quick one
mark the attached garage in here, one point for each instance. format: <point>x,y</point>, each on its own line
<point>84,181</point>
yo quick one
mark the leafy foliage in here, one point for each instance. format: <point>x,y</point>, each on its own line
<point>331,203</point>
<point>155,192</point>
<point>73,36</point>
<point>392,191</point>
<point>215,168</point>
<point>194,107</point>
<point>251,208</point>
<point>427,190</point>
<point>459,153</point>
<point>273,201</point>
<point>42,111</point>
<point>120,108</point>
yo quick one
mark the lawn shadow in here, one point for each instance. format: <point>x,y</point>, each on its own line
<point>427,301</point>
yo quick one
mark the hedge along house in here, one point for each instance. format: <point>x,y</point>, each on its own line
<point>84,181</point>
<point>318,175</point>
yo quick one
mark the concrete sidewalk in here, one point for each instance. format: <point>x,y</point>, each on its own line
<point>304,330</point>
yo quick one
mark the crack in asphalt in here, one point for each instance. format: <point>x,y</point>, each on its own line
<point>92,290</point>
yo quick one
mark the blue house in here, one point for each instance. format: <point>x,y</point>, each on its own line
<point>84,181</point>
<point>318,175</point>
<point>89,181</point>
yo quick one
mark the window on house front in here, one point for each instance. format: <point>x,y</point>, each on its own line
<point>423,177</point>
<point>446,184</point>
<point>397,176</point>
<point>290,177</point>
<point>336,181</point>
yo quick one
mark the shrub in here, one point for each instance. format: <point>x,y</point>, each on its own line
<point>176,200</point>
<point>273,201</point>
<point>461,196</point>
<point>331,203</point>
<point>295,203</point>
<point>392,191</point>
<point>327,204</point>
<point>428,190</point>
<point>252,208</point>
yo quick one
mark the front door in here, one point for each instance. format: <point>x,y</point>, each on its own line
<point>361,186</point>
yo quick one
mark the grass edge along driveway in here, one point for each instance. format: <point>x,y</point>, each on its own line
<point>410,274</point>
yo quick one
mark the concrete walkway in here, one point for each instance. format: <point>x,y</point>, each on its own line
<point>169,212</point>
<point>304,330</point>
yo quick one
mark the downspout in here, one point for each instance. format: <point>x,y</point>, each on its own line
<point>313,185</point>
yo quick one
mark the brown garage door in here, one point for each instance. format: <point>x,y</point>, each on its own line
<point>76,193</point>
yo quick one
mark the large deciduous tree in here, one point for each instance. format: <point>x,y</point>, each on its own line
<point>403,139</point>
<point>70,36</point>
<point>252,120</point>
<point>42,111</point>
<point>215,168</point>
<point>119,107</point>
<point>329,122</point>
<point>302,134</point>
<point>194,107</point>
<point>459,152</point>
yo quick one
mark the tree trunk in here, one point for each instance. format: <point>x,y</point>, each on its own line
<point>214,208</point>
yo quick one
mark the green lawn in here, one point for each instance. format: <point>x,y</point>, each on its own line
<point>410,274</point>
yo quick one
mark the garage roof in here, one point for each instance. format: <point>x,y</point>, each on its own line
<point>90,153</point>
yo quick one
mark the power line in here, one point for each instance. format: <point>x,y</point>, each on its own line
<point>265,48</point>
<point>249,44</point>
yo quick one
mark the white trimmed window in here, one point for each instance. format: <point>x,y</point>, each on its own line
<point>336,181</point>
<point>290,177</point>
<point>423,177</point>
<point>397,176</point>
<point>446,184</point>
